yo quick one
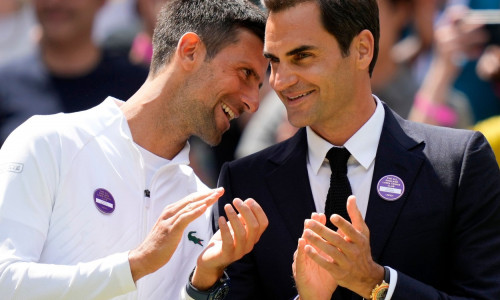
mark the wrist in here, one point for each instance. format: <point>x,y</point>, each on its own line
<point>379,292</point>
<point>377,279</point>
<point>137,266</point>
<point>203,279</point>
<point>217,291</point>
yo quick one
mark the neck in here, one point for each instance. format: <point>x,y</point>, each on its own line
<point>347,122</point>
<point>153,124</point>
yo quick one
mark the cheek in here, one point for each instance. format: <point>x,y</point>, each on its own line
<point>233,85</point>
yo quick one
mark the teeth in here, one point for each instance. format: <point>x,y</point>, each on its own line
<point>228,111</point>
<point>302,95</point>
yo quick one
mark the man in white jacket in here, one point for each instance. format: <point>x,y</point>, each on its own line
<point>102,203</point>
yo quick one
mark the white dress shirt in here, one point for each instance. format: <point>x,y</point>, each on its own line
<point>363,148</point>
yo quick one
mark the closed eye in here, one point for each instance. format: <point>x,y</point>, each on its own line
<point>248,72</point>
<point>301,56</point>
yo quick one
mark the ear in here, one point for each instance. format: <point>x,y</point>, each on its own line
<point>364,45</point>
<point>190,50</point>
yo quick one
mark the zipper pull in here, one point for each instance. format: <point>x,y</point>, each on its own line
<point>147,200</point>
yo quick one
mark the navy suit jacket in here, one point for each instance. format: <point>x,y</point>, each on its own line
<point>442,236</point>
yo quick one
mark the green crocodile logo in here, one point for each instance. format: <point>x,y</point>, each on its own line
<point>194,239</point>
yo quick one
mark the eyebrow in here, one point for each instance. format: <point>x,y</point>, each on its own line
<point>293,51</point>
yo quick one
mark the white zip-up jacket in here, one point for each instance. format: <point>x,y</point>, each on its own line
<point>73,204</point>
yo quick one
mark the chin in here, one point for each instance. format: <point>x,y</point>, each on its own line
<point>212,140</point>
<point>298,122</point>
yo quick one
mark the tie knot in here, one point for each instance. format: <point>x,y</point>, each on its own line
<point>338,159</point>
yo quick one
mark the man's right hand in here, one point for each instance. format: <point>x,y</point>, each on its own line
<point>312,280</point>
<point>160,244</point>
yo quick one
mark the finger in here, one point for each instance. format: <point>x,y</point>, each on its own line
<point>226,236</point>
<point>300,256</point>
<point>187,215</point>
<point>249,222</point>
<point>259,215</point>
<point>326,263</point>
<point>194,205</point>
<point>353,232</point>
<point>325,248</point>
<point>204,197</point>
<point>185,211</point>
<point>239,232</point>
<point>355,215</point>
<point>314,254</point>
<point>323,231</point>
<point>319,217</point>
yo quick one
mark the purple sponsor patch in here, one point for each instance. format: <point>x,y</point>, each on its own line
<point>104,201</point>
<point>390,187</point>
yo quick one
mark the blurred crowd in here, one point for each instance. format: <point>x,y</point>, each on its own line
<point>439,63</point>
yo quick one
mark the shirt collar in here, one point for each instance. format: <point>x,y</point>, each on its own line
<point>362,145</point>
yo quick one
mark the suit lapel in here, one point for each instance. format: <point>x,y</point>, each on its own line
<point>288,182</point>
<point>398,155</point>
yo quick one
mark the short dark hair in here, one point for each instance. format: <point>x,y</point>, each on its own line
<point>344,19</point>
<point>217,22</point>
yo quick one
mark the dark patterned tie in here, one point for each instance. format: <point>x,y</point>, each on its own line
<point>336,200</point>
<point>340,188</point>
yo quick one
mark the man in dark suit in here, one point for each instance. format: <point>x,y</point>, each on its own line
<point>425,219</point>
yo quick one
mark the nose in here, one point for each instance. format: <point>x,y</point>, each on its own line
<point>251,99</point>
<point>281,77</point>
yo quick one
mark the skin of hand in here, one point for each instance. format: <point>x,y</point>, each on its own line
<point>231,242</point>
<point>312,281</point>
<point>488,66</point>
<point>162,241</point>
<point>456,38</point>
<point>345,254</point>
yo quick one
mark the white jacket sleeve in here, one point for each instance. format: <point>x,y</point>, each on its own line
<point>29,177</point>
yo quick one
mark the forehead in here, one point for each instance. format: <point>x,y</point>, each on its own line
<point>247,50</point>
<point>298,25</point>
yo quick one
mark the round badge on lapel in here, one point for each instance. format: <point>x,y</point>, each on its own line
<point>104,201</point>
<point>390,187</point>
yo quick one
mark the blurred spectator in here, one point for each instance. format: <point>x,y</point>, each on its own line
<point>488,68</point>
<point>17,21</point>
<point>460,39</point>
<point>134,39</point>
<point>438,102</point>
<point>392,78</point>
<point>142,50</point>
<point>116,16</point>
<point>481,94</point>
<point>418,36</point>
<point>68,72</point>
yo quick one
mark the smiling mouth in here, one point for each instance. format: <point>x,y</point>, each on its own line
<point>300,96</point>
<point>229,113</point>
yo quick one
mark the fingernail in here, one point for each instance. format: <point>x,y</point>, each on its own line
<point>229,207</point>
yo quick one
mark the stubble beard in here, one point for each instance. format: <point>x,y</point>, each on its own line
<point>203,119</point>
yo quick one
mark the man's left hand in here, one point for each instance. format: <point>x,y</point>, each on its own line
<point>349,260</point>
<point>231,242</point>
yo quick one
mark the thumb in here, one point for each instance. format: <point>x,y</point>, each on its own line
<point>356,218</point>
